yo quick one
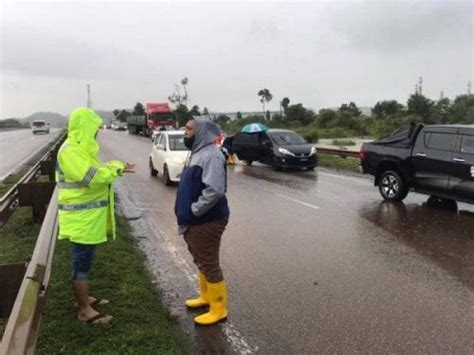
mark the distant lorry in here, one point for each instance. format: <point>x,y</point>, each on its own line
<point>157,115</point>
<point>435,160</point>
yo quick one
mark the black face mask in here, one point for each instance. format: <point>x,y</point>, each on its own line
<point>189,142</point>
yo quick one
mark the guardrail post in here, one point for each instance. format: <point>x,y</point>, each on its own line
<point>11,276</point>
<point>48,167</point>
<point>36,195</point>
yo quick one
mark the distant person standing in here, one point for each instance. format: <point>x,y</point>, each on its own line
<point>202,212</point>
<point>86,204</point>
<point>229,152</point>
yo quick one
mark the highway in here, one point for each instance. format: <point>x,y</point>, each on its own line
<point>18,146</point>
<point>315,262</point>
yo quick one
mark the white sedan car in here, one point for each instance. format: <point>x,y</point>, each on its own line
<point>168,156</point>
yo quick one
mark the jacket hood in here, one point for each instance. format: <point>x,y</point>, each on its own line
<point>205,132</point>
<point>82,127</point>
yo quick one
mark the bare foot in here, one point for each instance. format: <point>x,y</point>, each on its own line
<point>95,301</point>
<point>94,317</point>
<point>98,301</point>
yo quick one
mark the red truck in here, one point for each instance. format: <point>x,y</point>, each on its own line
<point>157,115</point>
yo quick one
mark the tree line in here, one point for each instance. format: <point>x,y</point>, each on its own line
<point>347,120</point>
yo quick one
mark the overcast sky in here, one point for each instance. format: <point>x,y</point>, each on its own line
<point>319,53</point>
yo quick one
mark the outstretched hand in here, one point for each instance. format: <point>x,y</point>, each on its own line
<point>129,168</point>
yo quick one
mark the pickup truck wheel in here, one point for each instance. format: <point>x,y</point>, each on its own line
<point>166,176</point>
<point>153,171</point>
<point>247,162</point>
<point>392,187</point>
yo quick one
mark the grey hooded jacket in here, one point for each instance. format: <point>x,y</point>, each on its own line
<point>201,192</point>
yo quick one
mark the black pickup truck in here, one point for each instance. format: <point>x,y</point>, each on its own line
<point>435,160</point>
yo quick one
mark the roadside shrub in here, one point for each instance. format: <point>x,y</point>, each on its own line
<point>309,133</point>
<point>385,127</point>
<point>342,142</point>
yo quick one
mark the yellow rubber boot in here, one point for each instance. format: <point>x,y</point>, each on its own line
<point>218,304</point>
<point>203,299</point>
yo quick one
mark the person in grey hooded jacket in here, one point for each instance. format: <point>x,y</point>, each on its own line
<point>202,212</point>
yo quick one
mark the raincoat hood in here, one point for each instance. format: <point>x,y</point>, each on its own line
<point>205,132</point>
<point>83,125</point>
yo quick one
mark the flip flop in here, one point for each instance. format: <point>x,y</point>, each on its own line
<point>96,319</point>
<point>97,302</point>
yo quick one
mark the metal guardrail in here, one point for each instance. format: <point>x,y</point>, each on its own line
<point>24,298</point>
<point>21,332</point>
<point>340,152</point>
<point>11,200</point>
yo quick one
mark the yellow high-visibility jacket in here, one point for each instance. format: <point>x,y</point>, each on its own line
<point>86,194</point>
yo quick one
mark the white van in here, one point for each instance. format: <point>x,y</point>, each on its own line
<point>39,126</point>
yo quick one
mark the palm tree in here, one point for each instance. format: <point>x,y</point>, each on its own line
<point>184,82</point>
<point>265,96</point>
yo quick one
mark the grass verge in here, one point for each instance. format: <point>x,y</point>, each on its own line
<point>337,162</point>
<point>141,324</point>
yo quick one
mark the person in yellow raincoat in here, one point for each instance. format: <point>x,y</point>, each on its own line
<point>86,203</point>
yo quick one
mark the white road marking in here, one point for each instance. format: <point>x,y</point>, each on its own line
<point>300,202</point>
<point>356,180</point>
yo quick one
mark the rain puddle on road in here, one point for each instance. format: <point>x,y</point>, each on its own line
<point>444,234</point>
<point>296,180</point>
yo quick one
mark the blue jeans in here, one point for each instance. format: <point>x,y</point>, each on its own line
<point>82,256</point>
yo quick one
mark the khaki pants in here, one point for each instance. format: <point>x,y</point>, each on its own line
<point>204,242</point>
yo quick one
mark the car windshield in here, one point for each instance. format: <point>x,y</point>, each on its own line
<point>177,142</point>
<point>38,124</point>
<point>161,116</point>
<point>286,138</point>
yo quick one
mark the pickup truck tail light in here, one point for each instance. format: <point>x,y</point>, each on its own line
<point>361,154</point>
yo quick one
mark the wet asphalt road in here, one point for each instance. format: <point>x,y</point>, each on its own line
<point>18,146</point>
<point>315,262</point>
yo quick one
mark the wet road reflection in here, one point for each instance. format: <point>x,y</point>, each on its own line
<point>315,262</point>
<point>443,234</point>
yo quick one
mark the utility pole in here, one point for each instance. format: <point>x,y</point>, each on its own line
<point>441,95</point>
<point>89,101</point>
<point>469,87</point>
<point>416,88</point>
<point>420,85</point>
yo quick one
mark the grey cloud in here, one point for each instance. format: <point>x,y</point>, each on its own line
<point>35,52</point>
<point>318,53</point>
<point>403,26</point>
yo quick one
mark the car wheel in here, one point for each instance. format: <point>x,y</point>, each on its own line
<point>166,176</point>
<point>310,168</point>
<point>247,162</point>
<point>153,171</point>
<point>392,187</point>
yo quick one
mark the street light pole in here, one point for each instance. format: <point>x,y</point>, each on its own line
<point>89,101</point>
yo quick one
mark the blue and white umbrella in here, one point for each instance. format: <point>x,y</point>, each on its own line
<point>254,128</point>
